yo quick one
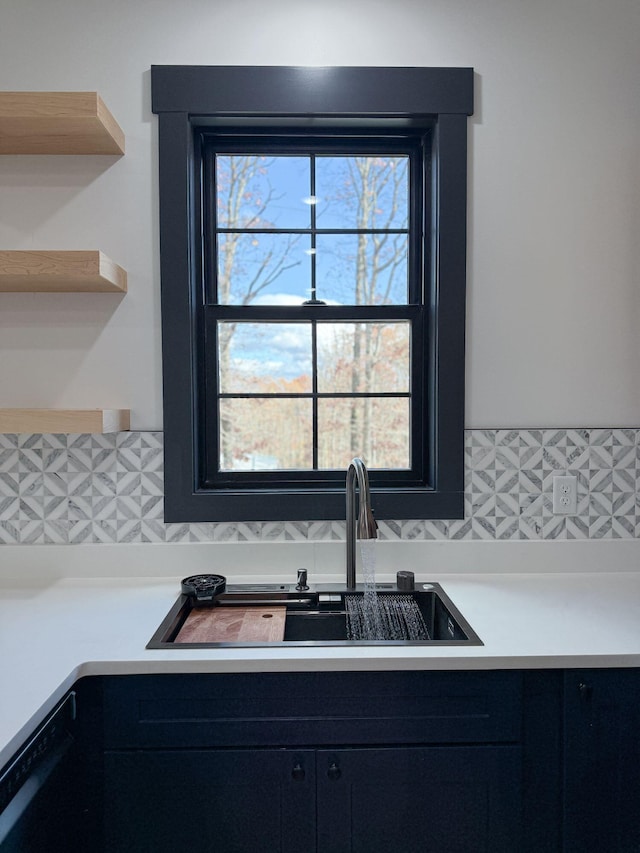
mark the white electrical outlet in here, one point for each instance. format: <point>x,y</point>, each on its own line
<point>565,496</point>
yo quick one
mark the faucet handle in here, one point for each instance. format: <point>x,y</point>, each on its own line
<point>302,580</point>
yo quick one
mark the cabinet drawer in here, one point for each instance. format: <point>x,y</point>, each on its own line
<point>297,709</point>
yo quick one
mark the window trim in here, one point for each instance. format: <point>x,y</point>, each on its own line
<point>334,142</point>
<point>188,97</point>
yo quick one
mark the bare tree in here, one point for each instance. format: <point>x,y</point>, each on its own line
<point>378,257</point>
<point>241,205</point>
<point>374,189</point>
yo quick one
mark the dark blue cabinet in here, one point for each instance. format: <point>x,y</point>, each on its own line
<point>232,801</point>
<point>319,763</point>
<point>357,762</point>
<point>408,799</point>
<point>420,800</point>
<point>602,761</point>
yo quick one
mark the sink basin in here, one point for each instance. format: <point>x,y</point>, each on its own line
<point>327,615</point>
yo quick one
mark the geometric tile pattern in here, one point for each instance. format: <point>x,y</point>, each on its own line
<point>109,488</point>
<point>509,479</point>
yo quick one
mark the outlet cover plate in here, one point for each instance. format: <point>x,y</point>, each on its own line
<point>565,495</point>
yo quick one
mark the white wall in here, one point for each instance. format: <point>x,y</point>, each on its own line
<point>554,212</point>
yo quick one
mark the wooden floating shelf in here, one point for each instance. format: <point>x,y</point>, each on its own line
<point>64,420</point>
<point>57,123</point>
<point>61,272</point>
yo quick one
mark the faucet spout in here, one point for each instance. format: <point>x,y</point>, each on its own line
<point>365,526</point>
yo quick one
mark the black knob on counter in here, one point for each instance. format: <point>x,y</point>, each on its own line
<point>302,580</point>
<point>405,581</point>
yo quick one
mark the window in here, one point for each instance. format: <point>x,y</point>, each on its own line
<point>313,278</point>
<point>311,341</point>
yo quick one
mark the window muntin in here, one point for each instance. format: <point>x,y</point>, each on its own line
<point>290,232</point>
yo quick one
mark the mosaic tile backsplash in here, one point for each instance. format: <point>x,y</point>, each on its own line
<point>109,488</point>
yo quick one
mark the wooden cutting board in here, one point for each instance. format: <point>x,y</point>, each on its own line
<point>233,625</point>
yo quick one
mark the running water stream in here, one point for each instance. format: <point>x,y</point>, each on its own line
<point>372,618</point>
<point>381,617</point>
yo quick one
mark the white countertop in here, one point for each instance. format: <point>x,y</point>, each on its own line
<point>54,630</point>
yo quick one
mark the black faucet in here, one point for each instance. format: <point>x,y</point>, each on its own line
<point>366,527</point>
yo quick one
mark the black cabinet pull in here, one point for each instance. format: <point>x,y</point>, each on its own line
<point>298,774</point>
<point>585,691</point>
<point>334,772</point>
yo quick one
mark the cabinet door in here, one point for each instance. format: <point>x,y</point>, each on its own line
<point>420,800</point>
<point>602,761</point>
<point>210,801</point>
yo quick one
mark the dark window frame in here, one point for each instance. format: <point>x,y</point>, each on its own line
<point>190,98</point>
<point>412,311</point>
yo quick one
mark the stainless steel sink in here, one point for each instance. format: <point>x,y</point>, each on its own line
<point>323,616</point>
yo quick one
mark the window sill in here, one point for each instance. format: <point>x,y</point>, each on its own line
<point>304,505</point>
